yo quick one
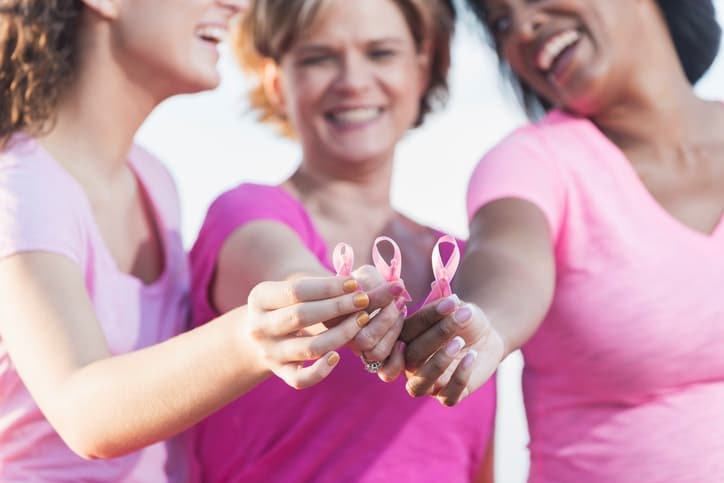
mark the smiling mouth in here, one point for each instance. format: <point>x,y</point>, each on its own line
<point>211,34</point>
<point>355,116</point>
<point>553,50</point>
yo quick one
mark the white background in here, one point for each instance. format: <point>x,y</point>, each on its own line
<point>211,143</point>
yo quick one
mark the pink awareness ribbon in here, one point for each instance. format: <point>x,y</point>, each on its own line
<point>444,273</point>
<point>393,270</point>
<point>343,259</point>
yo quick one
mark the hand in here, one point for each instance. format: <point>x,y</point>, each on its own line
<point>453,349</point>
<point>280,314</point>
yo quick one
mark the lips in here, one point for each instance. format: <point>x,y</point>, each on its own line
<point>211,33</point>
<point>553,49</point>
<point>352,116</point>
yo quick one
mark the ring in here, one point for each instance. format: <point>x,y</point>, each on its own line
<point>371,366</point>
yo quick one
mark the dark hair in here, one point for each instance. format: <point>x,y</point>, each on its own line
<point>693,27</point>
<point>37,60</point>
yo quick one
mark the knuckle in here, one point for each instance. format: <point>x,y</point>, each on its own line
<point>445,329</point>
<point>294,291</point>
<point>438,364</point>
<point>365,341</point>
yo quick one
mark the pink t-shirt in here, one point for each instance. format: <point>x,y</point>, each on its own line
<point>42,208</point>
<point>350,427</point>
<point>624,379</point>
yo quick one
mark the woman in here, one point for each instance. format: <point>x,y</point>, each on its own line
<point>348,80</point>
<point>596,243</point>
<point>93,276</point>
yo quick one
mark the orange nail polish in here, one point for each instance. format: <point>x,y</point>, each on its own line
<point>333,359</point>
<point>363,319</point>
<point>361,300</point>
<point>350,286</point>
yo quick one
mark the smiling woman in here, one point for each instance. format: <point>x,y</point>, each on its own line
<point>347,80</point>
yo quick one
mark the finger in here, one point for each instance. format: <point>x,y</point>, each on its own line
<point>276,295</point>
<point>384,294</point>
<point>289,320</point>
<point>300,377</point>
<point>394,365</point>
<point>386,340</point>
<point>310,348</point>
<point>426,344</point>
<point>422,381</point>
<point>368,277</point>
<point>456,388</point>
<point>386,321</point>
<point>427,317</point>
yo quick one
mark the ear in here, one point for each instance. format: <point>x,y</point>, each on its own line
<point>271,82</point>
<point>105,8</point>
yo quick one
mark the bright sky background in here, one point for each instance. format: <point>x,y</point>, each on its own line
<point>211,143</point>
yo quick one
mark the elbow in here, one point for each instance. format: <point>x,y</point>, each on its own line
<point>90,447</point>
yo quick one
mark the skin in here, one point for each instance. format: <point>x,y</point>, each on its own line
<point>106,405</point>
<point>671,138</point>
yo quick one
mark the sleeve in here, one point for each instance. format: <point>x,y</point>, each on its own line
<point>38,213</point>
<point>520,167</point>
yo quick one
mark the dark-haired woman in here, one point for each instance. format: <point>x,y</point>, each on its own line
<point>597,244</point>
<point>93,276</point>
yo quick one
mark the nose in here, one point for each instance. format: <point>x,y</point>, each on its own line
<point>236,6</point>
<point>355,74</point>
<point>528,21</point>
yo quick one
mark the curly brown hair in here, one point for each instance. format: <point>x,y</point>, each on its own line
<point>271,27</point>
<point>37,59</point>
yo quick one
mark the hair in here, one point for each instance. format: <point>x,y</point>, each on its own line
<point>693,27</point>
<point>271,27</point>
<point>37,59</point>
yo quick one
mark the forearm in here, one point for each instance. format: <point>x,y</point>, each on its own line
<point>120,404</point>
<point>513,295</point>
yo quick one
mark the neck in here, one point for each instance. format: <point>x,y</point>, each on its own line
<point>337,193</point>
<point>98,116</point>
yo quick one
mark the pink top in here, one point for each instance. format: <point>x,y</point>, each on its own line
<point>42,208</point>
<point>624,379</point>
<point>350,427</point>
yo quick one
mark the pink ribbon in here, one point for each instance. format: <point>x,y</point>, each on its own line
<point>443,272</point>
<point>389,271</point>
<point>343,259</point>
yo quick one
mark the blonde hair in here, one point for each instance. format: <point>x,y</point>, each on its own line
<point>271,27</point>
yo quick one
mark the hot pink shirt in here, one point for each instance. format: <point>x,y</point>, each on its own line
<point>624,379</point>
<point>351,426</point>
<point>42,208</point>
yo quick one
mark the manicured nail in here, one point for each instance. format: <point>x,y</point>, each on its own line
<point>363,319</point>
<point>361,300</point>
<point>462,314</point>
<point>469,359</point>
<point>401,346</point>
<point>446,306</point>
<point>350,286</point>
<point>332,359</point>
<point>399,303</point>
<point>404,312</point>
<point>396,289</point>
<point>454,346</point>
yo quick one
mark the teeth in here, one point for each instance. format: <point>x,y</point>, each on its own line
<point>554,47</point>
<point>211,33</point>
<point>356,115</point>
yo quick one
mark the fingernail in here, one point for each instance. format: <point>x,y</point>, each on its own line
<point>469,359</point>
<point>454,346</point>
<point>401,346</point>
<point>333,359</point>
<point>396,289</point>
<point>399,303</point>
<point>445,307</point>
<point>350,286</point>
<point>361,300</point>
<point>462,315</point>
<point>456,299</point>
<point>363,319</point>
<point>404,312</point>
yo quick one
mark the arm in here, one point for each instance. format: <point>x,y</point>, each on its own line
<point>105,406</point>
<point>507,277</point>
